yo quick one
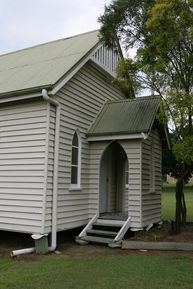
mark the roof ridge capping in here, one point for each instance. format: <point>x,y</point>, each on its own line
<point>138,98</point>
<point>49,42</point>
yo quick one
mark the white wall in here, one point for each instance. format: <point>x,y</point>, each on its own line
<point>22,166</point>
<point>81,100</point>
<point>133,200</point>
<point>151,197</point>
<point>133,151</point>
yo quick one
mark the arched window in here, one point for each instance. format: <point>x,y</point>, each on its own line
<point>126,174</point>
<point>75,160</point>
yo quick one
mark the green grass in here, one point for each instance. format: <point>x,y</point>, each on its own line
<point>108,272</point>
<point>83,271</point>
<point>168,202</point>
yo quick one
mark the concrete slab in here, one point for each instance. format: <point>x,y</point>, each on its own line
<point>139,245</point>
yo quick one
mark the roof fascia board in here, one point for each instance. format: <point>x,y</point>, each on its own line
<point>74,70</point>
<point>118,137</point>
<point>153,119</point>
<point>31,92</point>
<point>20,97</point>
<point>167,137</point>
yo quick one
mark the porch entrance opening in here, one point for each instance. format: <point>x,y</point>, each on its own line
<point>113,183</point>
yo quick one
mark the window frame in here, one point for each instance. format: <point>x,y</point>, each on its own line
<point>77,185</point>
<point>126,173</point>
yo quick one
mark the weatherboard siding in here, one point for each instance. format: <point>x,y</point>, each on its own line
<point>96,152</point>
<point>133,197</point>
<point>133,151</point>
<point>151,196</point>
<point>49,170</point>
<point>81,100</point>
<point>22,166</point>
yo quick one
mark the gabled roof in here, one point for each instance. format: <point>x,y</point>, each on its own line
<point>125,117</point>
<point>44,65</point>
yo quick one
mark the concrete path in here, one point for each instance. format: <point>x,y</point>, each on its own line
<point>139,245</point>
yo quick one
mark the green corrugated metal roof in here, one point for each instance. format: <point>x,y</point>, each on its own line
<point>126,117</point>
<point>43,65</point>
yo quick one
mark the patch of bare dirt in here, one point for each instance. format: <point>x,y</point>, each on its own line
<point>68,247</point>
<point>97,250</point>
<point>164,234</point>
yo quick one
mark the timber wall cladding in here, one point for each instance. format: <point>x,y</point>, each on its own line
<point>81,100</point>
<point>151,199</point>
<point>133,151</point>
<point>22,165</point>
<point>51,122</point>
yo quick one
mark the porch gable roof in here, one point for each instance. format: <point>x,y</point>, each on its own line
<point>126,117</point>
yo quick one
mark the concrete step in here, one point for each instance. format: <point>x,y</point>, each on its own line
<point>110,223</point>
<point>97,239</point>
<point>102,232</point>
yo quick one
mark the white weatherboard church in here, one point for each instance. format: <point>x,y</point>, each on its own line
<point>73,150</point>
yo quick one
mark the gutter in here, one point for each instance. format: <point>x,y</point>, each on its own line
<point>115,136</point>
<point>52,248</point>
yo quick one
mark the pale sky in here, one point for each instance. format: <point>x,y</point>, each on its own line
<point>24,23</point>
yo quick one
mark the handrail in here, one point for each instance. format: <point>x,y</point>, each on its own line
<point>88,226</point>
<point>123,230</point>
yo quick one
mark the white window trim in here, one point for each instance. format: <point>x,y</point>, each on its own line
<point>76,187</point>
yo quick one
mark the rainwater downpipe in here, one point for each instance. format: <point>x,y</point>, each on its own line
<point>55,175</point>
<point>55,181</point>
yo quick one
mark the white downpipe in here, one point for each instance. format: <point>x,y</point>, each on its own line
<point>55,176</point>
<point>144,135</point>
<point>55,182</point>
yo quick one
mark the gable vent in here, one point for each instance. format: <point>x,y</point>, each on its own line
<point>107,58</point>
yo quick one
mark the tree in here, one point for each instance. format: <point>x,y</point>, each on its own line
<point>162,32</point>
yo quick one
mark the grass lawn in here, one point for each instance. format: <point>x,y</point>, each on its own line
<point>97,272</point>
<point>168,202</point>
<point>101,267</point>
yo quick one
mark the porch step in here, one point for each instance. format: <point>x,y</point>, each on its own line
<point>109,223</point>
<point>97,239</point>
<point>107,231</point>
<point>101,232</point>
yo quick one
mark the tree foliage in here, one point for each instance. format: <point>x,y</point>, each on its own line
<point>125,20</point>
<point>162,32</point>
<point>126,77</point>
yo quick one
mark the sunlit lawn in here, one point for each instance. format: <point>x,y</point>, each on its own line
<point>168,202</point>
